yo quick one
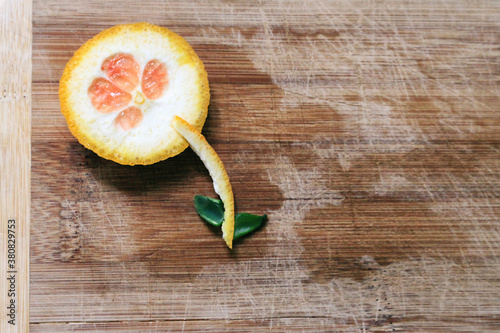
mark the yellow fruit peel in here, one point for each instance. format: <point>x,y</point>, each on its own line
<point>215,167</point>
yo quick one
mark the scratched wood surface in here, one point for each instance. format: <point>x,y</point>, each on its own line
<point>368,131</point>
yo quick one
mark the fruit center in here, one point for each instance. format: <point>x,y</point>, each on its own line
<point>113,93</point>
<point>139,98</point>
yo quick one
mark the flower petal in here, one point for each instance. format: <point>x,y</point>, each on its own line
<point>122,70</point>
<point>154,79</point>
<point>129,118</point>
<point>107,97</point>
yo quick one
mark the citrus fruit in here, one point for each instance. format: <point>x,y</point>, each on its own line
<point>122,88</point>
<point>139,94</point>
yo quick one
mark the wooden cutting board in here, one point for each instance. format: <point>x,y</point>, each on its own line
<point>369,132</point>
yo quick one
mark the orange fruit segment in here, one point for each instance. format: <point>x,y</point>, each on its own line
<point>129,118</point>
<point>107,97</point>
<point>120,91</point>
<point>215,167</point>
<point>154,79</point>
<point>122,70</point>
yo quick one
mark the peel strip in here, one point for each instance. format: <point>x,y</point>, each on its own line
<point>213,163</point>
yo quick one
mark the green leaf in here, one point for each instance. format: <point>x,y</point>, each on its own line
<point>211,210</point>
<point>246,223</point>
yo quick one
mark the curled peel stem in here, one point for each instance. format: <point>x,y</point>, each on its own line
<point>213,163</point>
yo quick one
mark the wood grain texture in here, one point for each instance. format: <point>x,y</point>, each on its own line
<point>15,163</point>
<point>369,133</point>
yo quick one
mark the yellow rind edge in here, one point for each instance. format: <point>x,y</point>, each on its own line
<point>196,139</point>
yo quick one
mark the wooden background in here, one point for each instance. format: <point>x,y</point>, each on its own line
<point>368,131</point>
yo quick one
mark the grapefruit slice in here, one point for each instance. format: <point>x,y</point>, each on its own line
<point>213,163</point>
<point>121,90</point>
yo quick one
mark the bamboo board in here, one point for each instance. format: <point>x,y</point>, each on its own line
<point>368,132</point>
<point>15,163</point>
